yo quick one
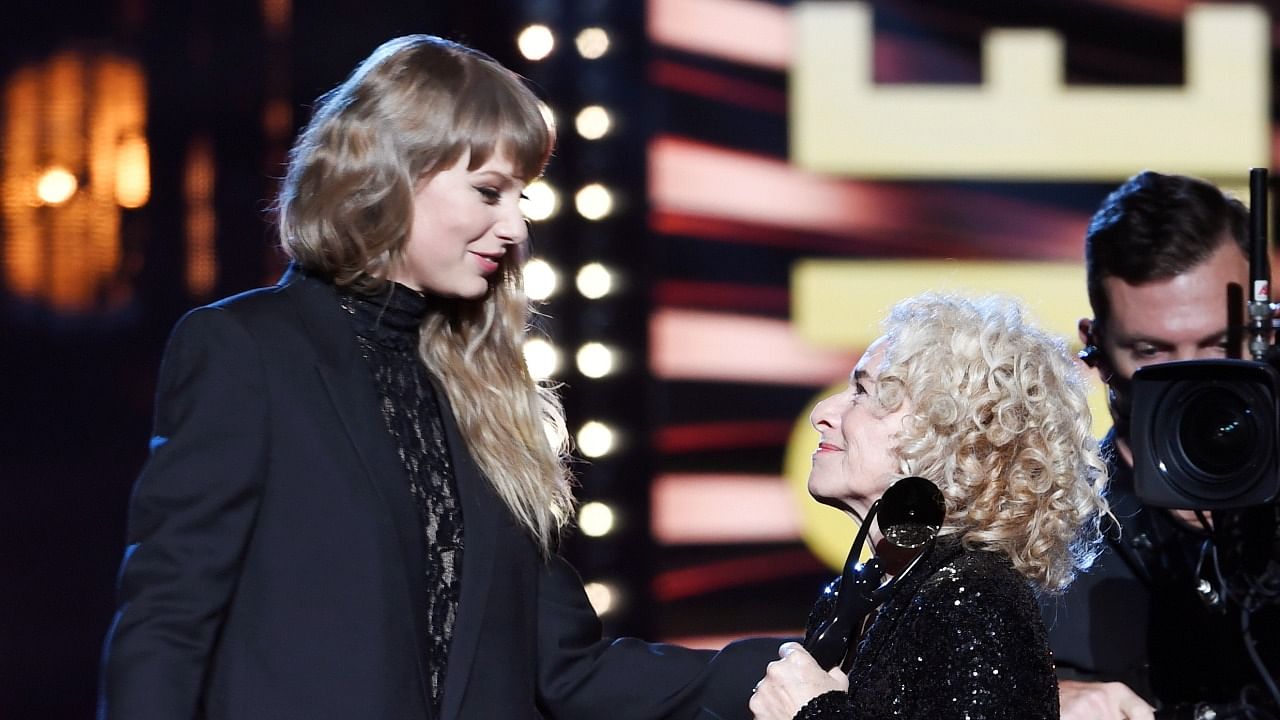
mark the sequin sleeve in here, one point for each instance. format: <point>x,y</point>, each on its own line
<point>966,643</point>
<point>833,705</point>
<point>976,649</point>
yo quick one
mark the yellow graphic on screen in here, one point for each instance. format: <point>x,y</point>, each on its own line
<point>1023,121</point>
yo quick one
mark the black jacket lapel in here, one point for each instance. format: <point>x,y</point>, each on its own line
<point>355,399</point>
<point>482,516</point>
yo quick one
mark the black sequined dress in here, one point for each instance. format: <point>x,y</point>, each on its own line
<point>387,329</point>
<point>961,638</point>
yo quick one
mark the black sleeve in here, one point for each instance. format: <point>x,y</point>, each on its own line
<point>973,649</point>
<point>832,705</point>
<point>583,675</point>
<point>190,517</point>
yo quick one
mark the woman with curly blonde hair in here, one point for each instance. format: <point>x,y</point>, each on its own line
<point>969,395</point>
<point>352,506</point>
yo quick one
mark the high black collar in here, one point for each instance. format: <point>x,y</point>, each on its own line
<point>392,316</point>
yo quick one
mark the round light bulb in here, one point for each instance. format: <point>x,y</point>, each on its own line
<point>536,42</point>
<point>595,519</point>
<point>594,202</point>
<point>593,122</point>
<point>541,357</point>
<point>548,115</point>
<point>595,360</point>
<point>56,186</point>
<point>592,42</point>
<point>540,201</point>
<point>594,281</point>
<point>540,280</point>
<point>595,439</point>
<point>601,597</point>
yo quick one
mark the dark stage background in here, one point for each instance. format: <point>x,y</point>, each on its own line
<point>765,205</point>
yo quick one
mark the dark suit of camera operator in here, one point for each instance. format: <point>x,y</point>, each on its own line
<point>1134,631</point>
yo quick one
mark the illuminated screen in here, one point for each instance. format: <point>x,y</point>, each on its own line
<point>813,163</point>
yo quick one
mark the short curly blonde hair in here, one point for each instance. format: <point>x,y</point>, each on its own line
<point>999,420</point>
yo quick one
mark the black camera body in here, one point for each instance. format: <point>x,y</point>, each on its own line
<point>1206,434</point>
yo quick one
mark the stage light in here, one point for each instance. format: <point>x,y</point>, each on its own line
<point>595,519</point>
<point>540,201</point>
<point>536,42</point>
<point>555,435</point>
<point>594,281</point>
<point>592,42</point>
<point>56,186</point>
<point>595,360</point>
<point>595,439</point>
<point>548,115</point>
<point>540,280</point>
<point>78,116</point>
<point>542,358</point>
<point>133,172</point>
<point>593,122</point>
<point>601,597</point>
<point>594,201</point>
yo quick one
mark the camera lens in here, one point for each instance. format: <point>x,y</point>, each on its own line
<point>1205,434</point>
<point>1218,431</point>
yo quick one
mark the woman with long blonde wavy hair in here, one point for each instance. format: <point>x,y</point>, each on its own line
<point>353,502</point>
<point>968,394</point>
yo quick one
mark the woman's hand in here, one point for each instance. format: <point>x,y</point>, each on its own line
<point>791,682</point>
<point>1101,701</point>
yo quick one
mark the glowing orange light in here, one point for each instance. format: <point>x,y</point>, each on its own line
<point>198,180</point>
<point>75,153</point>
<point>276,15</point>
<point>56,186</point>
<point>133,172</point>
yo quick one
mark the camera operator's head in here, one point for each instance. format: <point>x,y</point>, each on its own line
<point>1160,254</point>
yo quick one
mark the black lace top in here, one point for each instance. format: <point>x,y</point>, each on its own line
<point>387,327</point>
<point>961,638</point>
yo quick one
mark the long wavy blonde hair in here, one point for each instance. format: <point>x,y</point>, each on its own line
<point>414,107</point>
<point>1000,421</point>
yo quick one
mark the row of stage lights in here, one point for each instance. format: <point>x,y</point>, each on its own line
<point>537,42</point>
<point>594,360</point>
<point>593,202</point>
<point>542,201</point>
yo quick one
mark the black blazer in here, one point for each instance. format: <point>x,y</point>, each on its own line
<point>275,566</point>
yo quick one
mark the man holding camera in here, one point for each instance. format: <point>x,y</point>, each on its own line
<point>1147,624</point>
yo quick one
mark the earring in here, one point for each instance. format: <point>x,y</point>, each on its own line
<point>1089,355</point>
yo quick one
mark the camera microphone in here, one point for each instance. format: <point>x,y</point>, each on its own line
<point>1259,266</point>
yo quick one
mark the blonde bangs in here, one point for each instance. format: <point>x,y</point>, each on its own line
<point>495,122</point>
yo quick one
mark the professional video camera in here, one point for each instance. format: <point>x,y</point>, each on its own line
<point>1205,436</point>
<point>1206,433</point>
